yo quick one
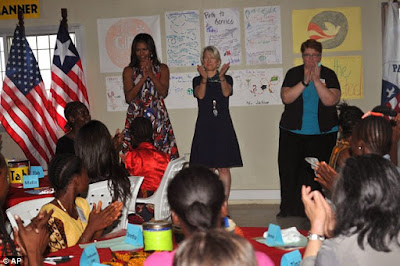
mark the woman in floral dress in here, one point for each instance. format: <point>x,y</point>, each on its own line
<point>146,83</point>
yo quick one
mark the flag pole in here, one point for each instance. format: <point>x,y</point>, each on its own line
<point>64,15</point>
<point>21,21</point>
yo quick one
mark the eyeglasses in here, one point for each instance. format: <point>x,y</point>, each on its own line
<point>311,55</point>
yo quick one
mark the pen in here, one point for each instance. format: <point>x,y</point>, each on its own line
<point>59,258</point>
<point>50,262</point>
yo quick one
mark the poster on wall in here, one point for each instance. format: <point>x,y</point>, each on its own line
<point>180,93</point>
<point>116,36</point>
<point>183,38</point>
<point>222,30</point>
<point>250,88</point>
<point>338,29</point>
<point>254,87</point>
<point>115,94</point>
<point>263,35</point>
<point>349,72</point>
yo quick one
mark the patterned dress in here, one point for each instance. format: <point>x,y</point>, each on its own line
<point>148,103</point>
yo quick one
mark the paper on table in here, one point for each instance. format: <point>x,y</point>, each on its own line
<point>41,191</point>
<point>115,244</point>
<point>291,238</point>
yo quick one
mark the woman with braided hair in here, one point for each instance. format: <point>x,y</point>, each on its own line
<point>197,200</point>
<point>371,135</point>
<point>72,221</point>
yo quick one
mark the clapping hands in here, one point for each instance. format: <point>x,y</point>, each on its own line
<point>318,211</point>
<point>34,238</point>
<point>100,219</point>
<point>224,69</point>
<point>326,175</point>
<point>202,71</point>
<point>147,69</point>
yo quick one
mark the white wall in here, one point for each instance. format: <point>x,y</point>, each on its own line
<point>256,127</point>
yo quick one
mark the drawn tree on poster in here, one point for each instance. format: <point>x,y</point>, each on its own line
<point>328,27</point>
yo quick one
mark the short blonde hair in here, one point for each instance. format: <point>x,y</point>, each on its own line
<point>213,50</point>
<point>215,247</point>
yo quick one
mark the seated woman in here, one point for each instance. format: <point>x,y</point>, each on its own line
<point>145,160</point>
<point>93,144</point>
<point>394,118</point>
<point>31,241</point>
<point>72,221</point>
<point>76,114</point>
<point>366,225</point>
<point>349,116</point>
<point>372,135</point>
<point>197,200</point>
<point>215,247</point>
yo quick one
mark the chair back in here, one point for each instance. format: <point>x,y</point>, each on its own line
<point>26,210</point>
<point>159,198</point>
<point>136,182</point>
<point>100,191</point>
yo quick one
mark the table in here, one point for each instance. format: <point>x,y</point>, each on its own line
<point>274,253</point>
<point>249,233</point>
<point>17,195</point>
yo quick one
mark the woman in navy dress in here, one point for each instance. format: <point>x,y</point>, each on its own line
<point>214,143</point>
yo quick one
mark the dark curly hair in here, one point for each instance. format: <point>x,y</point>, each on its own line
<point>141,130</point>
<point>349,116</point>
<point>71,109</point>
<point>367,201</point>
<point>196,195</point>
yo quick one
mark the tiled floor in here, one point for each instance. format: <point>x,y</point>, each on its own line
<point>261,215</point>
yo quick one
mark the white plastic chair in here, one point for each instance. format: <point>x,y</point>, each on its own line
<point>99,191</point>
<point>26,210</point>
<point>159,198</point>
<point>136,182</point>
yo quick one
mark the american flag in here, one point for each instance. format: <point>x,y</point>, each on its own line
<point>68,80</point>
<point>23,104</point>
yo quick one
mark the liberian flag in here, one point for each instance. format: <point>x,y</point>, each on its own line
<point>391,58</point>
<point>68,80</point>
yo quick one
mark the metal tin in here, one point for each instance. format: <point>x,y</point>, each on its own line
<point>157,235</point>
<point>16,170</point>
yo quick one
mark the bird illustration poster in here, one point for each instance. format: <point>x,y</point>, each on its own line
<point>349,70</point>
<point>338,29</point>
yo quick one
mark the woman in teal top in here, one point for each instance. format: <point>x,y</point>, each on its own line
<point>308,126</point>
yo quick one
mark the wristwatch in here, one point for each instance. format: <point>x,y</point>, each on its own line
<point>305,84</point>
<point>311,236</point>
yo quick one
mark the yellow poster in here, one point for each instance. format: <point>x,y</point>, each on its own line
<point>338,29</point>
<point>9,8</point>
<point>349,72</point>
